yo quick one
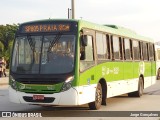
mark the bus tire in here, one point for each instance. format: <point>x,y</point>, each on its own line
<point>98,98</point>
<point>139,92</point>
<point>158,74</point>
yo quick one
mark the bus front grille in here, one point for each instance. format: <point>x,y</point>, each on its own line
<point>39,81</point>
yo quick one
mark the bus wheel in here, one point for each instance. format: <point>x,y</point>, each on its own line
<point>158,74</point>
<point>98,98</point>
<point>139,92</point>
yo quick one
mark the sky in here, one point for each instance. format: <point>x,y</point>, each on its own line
<point>142,16</point>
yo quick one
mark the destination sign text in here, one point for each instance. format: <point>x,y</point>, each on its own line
<point>46,28</point>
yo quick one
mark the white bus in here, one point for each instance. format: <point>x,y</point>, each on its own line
<point>157,52</point>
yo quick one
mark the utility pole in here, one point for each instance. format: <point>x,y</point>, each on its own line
<point>73,12</point>
<point>69,12</point>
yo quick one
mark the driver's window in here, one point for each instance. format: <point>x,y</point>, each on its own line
<point>87,54</point>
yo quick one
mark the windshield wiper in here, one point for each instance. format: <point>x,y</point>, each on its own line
<point>32,45</point>
<point>54,41</point>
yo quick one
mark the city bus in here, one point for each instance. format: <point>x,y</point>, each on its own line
<point>75,62</point>
<point>157,52</point>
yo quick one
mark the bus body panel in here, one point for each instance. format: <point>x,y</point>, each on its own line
<point>118,82</point>
<point>69,97</point>
<point>86,93</point>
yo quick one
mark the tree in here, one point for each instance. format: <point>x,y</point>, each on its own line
<point>7,33</point>
<point>1,47</point>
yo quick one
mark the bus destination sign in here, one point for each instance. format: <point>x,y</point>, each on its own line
<point>46,28</point>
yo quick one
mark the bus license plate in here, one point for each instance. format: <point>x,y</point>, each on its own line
<point>38,97</point>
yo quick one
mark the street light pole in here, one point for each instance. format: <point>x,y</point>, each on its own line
<point>73,13</point>
<point>68,13</point>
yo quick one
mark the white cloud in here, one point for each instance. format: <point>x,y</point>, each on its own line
<point>25,10</point>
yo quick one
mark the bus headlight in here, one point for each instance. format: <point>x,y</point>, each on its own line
<point>13,83</point>
<point>67,84</point>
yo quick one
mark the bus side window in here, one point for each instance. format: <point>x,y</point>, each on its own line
<point>121,48</point>
<point>112,53</point>
<point>141,50</point>
<point>115,48</point>
<point>87,54</point>
<point>151,52</point>
<point>136,50</point>
<point>103,46</point>
<point>148,51</point>
<point>145,52</point>
<point>154,56</point>
<point>108,47</point>
<point>124,52</point>
<point>131,50</point>
<point>127,49</point>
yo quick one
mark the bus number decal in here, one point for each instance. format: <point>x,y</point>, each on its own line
<point>107,71</point>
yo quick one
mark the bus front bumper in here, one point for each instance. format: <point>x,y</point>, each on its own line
<point>68,97</point>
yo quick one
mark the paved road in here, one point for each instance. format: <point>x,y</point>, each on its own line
<point>148,102</point>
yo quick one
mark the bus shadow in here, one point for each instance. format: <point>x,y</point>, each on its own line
<point>155,92</point>
<point>122,96</point>
<point>59,108</point>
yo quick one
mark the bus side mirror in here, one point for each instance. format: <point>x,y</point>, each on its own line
<point>84,40</point>
<point>83,55</point>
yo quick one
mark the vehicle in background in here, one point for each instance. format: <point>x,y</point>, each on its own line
<point>157,52</point>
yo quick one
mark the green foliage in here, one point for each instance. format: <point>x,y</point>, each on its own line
<point>7,33</point>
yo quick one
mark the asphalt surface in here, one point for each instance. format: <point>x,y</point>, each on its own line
<point>148,102</point>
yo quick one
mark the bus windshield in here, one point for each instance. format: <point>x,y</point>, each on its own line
<point>48,54</point>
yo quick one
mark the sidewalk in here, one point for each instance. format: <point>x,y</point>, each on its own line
<point>4,80</point>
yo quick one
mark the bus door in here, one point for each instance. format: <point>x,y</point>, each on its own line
<point>87,70</point>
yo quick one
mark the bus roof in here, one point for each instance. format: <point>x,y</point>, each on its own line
<point>111,29</point>
<point>49,20</point>
<point>114,29</point>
